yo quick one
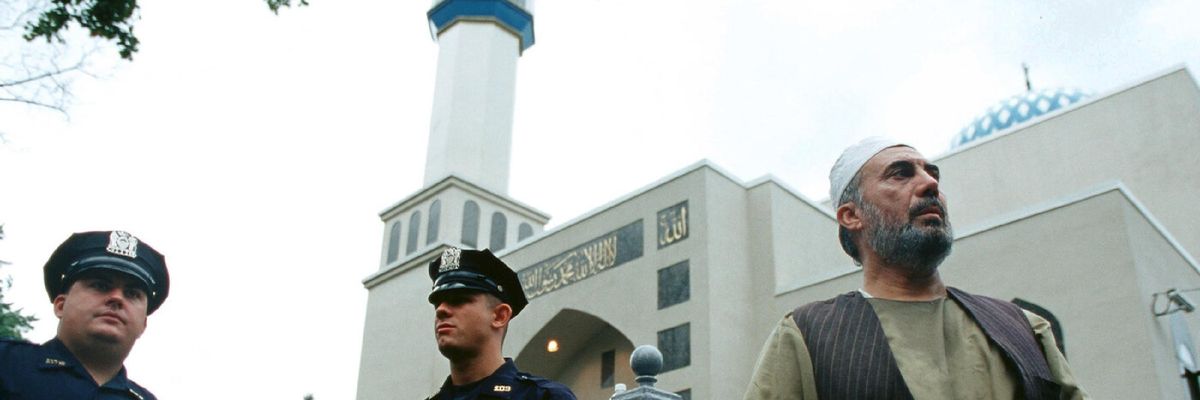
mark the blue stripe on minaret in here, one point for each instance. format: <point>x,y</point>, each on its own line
<point>503,12</point>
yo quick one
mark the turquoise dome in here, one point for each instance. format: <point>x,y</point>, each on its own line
<point>1014,111</point>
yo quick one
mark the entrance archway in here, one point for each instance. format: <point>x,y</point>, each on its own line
<point>591,355</point>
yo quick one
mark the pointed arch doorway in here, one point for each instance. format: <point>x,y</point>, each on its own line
<point>589,355</point>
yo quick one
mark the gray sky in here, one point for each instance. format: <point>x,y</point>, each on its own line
<point>255,151</point>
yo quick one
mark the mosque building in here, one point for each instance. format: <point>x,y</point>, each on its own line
<point>1078,207</point>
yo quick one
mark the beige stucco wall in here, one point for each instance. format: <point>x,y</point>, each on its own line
<point>730,287</point>
<point>584,377</point>
<point>1144,136</point>
<point>453,193</point>
<point>1031,220</point>
<point>626,296</point>
<point>1076,262</point>
<point>1094,263</point>
<point>1096,274</point>
<point>400,357</point>
<point>1159,266</point>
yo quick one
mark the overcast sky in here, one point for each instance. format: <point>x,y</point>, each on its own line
<point>256,151</point>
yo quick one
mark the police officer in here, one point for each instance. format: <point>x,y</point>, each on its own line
<point>103,285</point>
<point>475,296</point>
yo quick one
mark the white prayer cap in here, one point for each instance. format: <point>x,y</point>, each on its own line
<point>852,160</point>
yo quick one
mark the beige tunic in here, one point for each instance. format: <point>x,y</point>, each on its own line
<point>941,352</point>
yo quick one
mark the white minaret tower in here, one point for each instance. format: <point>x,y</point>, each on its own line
<point>463,202</point>
<point>470,133</point>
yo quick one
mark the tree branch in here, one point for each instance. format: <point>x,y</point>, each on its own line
<point>54,107</point>
<point>19,19</point>
<point>45,75</point>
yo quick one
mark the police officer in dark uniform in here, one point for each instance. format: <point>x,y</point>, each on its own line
<point>103,286</point>
<point>475,296</point>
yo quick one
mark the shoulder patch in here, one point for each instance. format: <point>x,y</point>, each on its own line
<point>555,390</point>
<point>527,377</point>
<point>140,392</point>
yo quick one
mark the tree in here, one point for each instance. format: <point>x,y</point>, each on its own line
<point>13,323</point>
<point>41,77</point>
<point>108,19</point>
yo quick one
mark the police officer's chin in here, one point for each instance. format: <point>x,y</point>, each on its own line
<point>112,338</point>
<point>453,352</point>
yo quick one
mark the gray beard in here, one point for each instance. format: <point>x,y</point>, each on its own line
<point>919,249</point>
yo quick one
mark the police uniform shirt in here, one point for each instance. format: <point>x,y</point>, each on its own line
<point>506,383</point>
<point>49,371</point>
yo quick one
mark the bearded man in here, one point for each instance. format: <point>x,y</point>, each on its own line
<point>905,334</point>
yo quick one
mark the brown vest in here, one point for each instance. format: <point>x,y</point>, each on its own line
<point>851,358</point>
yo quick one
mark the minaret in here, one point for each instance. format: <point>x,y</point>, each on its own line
<point>470,133</point>
<point>464,200</point>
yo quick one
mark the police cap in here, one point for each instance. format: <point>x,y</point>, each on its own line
<point>111,250</point>
<point>476,270</point>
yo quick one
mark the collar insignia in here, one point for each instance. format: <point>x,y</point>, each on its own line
<point>502,388</point>
<point>120,242</point>
<point>450,259</point>
<point>55,362</point>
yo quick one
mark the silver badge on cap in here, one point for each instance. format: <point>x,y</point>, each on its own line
<point>121,242</point>
<point>450,259</point>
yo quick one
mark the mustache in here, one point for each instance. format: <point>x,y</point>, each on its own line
<point>925,204</point>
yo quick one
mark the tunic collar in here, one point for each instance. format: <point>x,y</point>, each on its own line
<point>56,355</point>
<point>499,384</point>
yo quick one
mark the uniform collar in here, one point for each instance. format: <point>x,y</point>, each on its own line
<point>499,384</point>
<point>56,355</point>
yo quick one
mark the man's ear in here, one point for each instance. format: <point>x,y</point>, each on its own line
<point>502,314</point>
<point>60,302</point>
<point>849,216</point>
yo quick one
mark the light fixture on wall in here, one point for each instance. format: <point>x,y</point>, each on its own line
<point>552,346</point>
<point>1185,351</point>
<point>1175,302</point>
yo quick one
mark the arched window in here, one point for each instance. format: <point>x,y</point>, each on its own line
<point>499,231</point>
<point>435,214</point>
<point>470,225</point>
<point>524,231</point>
<point>393,246</point>
<point>414,227</point>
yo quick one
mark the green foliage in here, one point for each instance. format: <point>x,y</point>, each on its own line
<point>108,19</point>
<point>277,4</point>
<point>13,323</point>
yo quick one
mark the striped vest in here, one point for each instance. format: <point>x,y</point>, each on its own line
<point>851,358</point>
